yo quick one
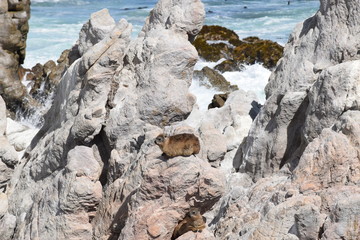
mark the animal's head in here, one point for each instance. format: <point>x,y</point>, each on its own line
<point>194,212</point>
<point>159,140</point>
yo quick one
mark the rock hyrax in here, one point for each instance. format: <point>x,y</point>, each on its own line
<point>193,221</point>
<point>184,144</point>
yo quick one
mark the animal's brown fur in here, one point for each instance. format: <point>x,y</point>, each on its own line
<point>193,221</point>
<point>184,144</point>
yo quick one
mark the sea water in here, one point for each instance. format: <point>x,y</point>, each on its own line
<point>55,26</point>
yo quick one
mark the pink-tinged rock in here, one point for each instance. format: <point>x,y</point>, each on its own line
<point>74,227</point>
<point>82,162</point>
<point>330,160</point>
<point>214,143</point>
<point>203,235</point>
<point>167,191</point>
<point>343,207</point>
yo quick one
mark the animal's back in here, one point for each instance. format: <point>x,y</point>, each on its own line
<point>184,144</point>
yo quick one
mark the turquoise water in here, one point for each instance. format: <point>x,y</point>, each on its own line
<point>55,24</point>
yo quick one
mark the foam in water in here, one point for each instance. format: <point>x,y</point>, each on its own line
<point>252,78</point>
<point>35,117</point>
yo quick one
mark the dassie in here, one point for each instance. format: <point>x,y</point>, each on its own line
<point>184,144</point>
<point>193,221</point>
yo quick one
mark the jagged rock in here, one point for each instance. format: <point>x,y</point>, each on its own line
<point>302,149</point>
<point>192,182</point>
<point>14,17</point>
<point>322,114</point>
<point>342,206</point>
<point>215,42</point>
<point>314,108</point>
<point>96,29</point>
<point>274,132</point>
<point>106,114</point>
<point>212,79</point>
<point>335,165</point>
<point>308,223</point>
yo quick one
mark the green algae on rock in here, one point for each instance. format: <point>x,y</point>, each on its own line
<point>215,42</point>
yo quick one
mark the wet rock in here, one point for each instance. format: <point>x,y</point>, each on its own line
<point>255,50</point>
<point>229,66</point>
<point>215,42</point>
<point>212,79</point>
<point>218,100</point>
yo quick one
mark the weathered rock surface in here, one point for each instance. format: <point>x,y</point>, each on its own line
<point>302,150</point>
<point>14,17</point>
<point>93,170</point>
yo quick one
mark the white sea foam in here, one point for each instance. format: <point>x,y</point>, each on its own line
<point>28,84</point>
<point>253,78</point>
<point>203,94</point>
<point>202,63</point>
<point>220,41</point>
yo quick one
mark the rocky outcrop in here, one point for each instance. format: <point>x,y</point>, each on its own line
<point>215,42</point>
<point>14,17</point>
<point>303,98</point>
<point>302,149</point>
<point>93,170</point>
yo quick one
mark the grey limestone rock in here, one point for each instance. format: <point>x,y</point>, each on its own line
<point>93,170</point>
<point>312,85</point>
<point>96,29</point>
<point>302,149</point>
